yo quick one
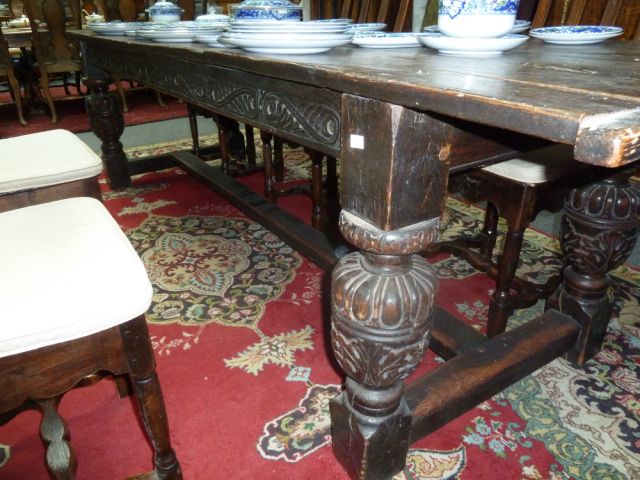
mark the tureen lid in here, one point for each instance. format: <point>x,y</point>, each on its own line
<point>164,7</point>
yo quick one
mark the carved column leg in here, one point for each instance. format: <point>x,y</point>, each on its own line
<point>105,118</point>
<point>250,145</point>
<point>193,128</point>
<point>381,320</point>
<point>599,230</point>
<point>489,231</point>
<point>393,182</point>
<point>60,458</point>
<point>135,338</point>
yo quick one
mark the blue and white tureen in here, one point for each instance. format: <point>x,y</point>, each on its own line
<point>266,10</point>
<point>164,12</point>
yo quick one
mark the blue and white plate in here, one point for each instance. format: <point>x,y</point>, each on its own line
<point>386,40</point>
<point>576,34</point>
<point>367,27</point>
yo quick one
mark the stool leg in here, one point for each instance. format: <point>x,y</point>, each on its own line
<point>60,458</point>
<point>278,159</point>
<point>317,213</point>
<point>267,158</point>
<point>250,146</point>
<point>137,346</point>
<point>500,307</point>
<point>489,231</point>
<point>193,128</point>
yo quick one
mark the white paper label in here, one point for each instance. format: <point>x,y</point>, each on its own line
<point>357,141</point>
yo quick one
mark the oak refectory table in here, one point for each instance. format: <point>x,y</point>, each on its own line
<point>401,121</point>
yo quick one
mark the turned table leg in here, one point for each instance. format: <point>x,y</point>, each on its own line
<point>393,181</point>
<point>107,122</point>
<point>599,230</point>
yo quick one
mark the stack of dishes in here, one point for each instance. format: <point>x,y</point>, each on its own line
<point>577,34</point>
<point>386,40</point>
<point>179,32</point>
<point>358,28</point>
<point>287,37</point>
<point>114,28</point>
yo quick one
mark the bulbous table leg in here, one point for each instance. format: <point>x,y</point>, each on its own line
<point>599,230</point>
<point>381,317</point>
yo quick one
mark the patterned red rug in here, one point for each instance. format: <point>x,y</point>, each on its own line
<point>143,108</point>
<point>241,344</point>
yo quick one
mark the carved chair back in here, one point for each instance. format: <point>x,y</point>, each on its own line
<point>396,14</point>
<point>125,10</point>
<point>6,70</point>
<point>16,8</point>
<point>622,13</point>
<point>54,51</point>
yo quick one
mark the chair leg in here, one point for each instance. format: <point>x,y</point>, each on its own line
<point>137,346</point>
<point>120,90</point>
<point>17,97</point>
<point>224,140</point>
<point>267,159</point>
<point>501,307</point>
<point>193,128</point>
<point>44,82</point>
<point>60,458</point>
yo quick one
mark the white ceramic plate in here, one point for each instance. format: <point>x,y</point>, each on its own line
<point>211,40</point>
<point>518,27</point>
<point>114,28</point>
<point>576,35</point>
<point>367,27</point>
<point>286,38</point>
<point>386,40</point>
<point>474,47</point>
<point>284,43</point>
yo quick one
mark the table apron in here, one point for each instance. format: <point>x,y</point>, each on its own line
<point>301,113</point>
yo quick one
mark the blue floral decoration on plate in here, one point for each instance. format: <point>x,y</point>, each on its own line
<point>453,8</point>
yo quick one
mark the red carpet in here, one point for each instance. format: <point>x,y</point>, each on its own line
<point>143,108</point>
<point>241,344</point>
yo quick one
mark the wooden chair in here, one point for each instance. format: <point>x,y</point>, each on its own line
<point>517,190</point>
<point>54,52</point>
<point>72,257</point>
<point>6,70</point>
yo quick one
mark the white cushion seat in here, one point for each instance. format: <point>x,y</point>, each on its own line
<point>44,159</point>
<point>538,166</point>
<point>67,271</point>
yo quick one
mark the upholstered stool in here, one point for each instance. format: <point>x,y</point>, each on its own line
<point>516,190</point>
<point>46,166</point>
<point>74,294</point>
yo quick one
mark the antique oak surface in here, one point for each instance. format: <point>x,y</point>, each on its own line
<point>401,121</point>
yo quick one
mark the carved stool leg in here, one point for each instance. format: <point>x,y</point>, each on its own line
<point>267,158</point>
<point>278,159</point>
<point>107,123</point>
<point>193,128</point>
<point>318,218</point>
<point>250,145</point>
<point>381,320</point>
<point>60,458</point>
<point>599,230</point>
<point>135,338</point>
<point>489,231</point>
<point>224,143</point>
<point>500,307</point>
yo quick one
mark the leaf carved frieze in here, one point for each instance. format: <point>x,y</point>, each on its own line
<point>308,114</point>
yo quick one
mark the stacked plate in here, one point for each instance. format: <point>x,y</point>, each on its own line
<point>387,40</point>
<point>114,28</point>
<point>286,37</point>
<point>179,32</point>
